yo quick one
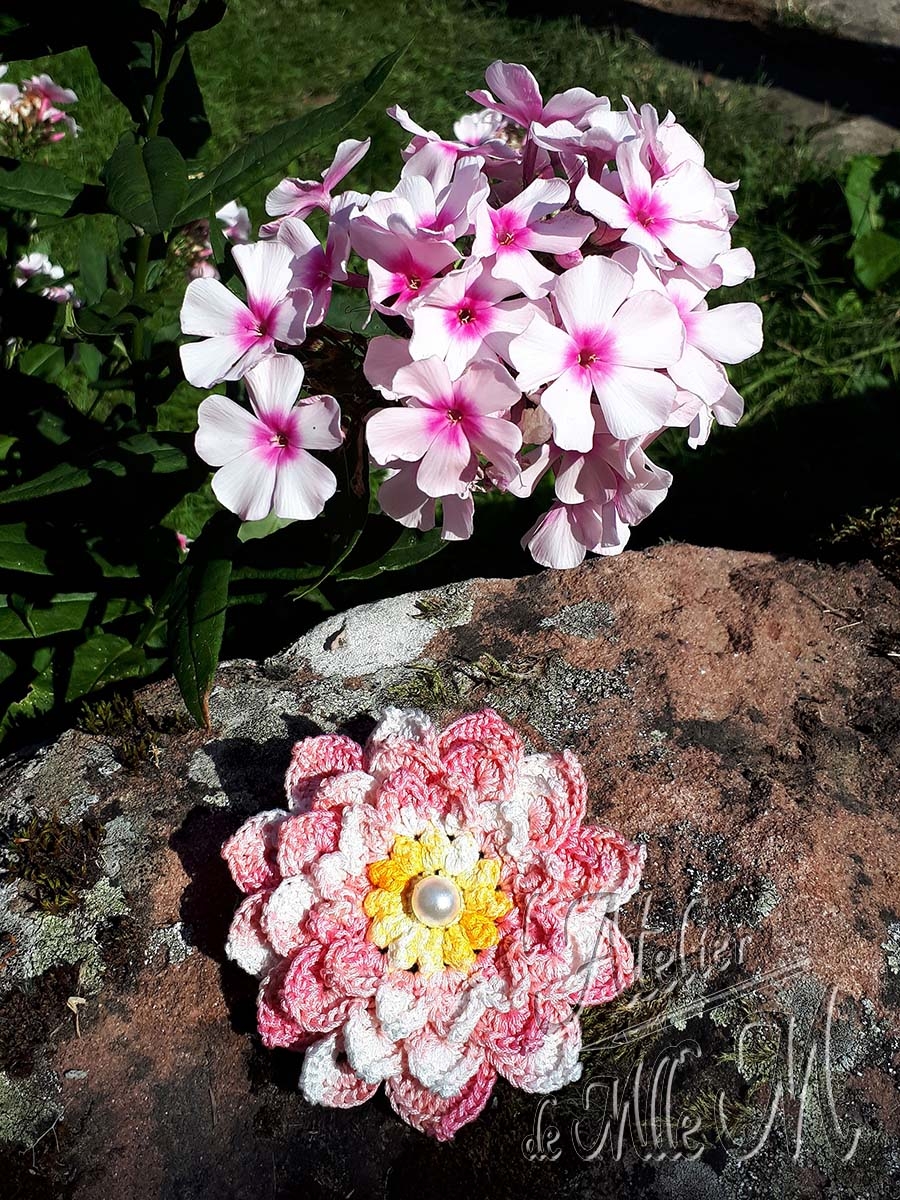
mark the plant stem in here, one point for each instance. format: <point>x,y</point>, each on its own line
<point>168,54</point>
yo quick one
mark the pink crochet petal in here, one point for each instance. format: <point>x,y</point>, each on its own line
<point>557,798</point>
<point>555,1061</point>
<point>600,861</point>
<point>331,920</point>
<point>247,944</point>
<point>302,838</point>
<point>435,1115</point>
<point>403,738</point>
<point>612,968</point>
<point>327,1077</point>
<point>481,754</point>
<point>353,967</point>
<point>313,760</point>
<point>315,1007</point>
<point>251,852</point>
<point>276,1028</point>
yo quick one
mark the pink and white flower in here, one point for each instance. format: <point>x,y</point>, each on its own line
<point>239,335</point>
<point>599,496</point>
<point>519,97</point>
<point>679,213</point>
<point>404,501</point>
<point>235,222</point>
<point>428,913</point>
<point>532,221</point>
<point>611,344</point>
<point>447,424</point>
<point>399,265</point>
<point>467,315</point>
<point>299,197</point>
<point>263,456</point>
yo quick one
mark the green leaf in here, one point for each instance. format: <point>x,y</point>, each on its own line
<point>66,612</point>
<point>146,183</point>
<point>39,696</point>
<point>862,201</point>
<point>410,548</point>
<point>251,530</point>
<point>206,15</point>
<point>62,478</point>
<point>91,265</point>
<point>37,189</point>
<point>103,659</point>
<point>351,312</point>
<point>876,257</point>
<point>197,611</point>
<point>43,361</point>
<point>270,152</point>
<point>18,554</point>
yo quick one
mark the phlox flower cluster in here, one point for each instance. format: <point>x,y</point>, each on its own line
<point>32,113</point>
<point>193,246</point>
<point>37,266</point>
<point>430,911</point>
<point>546,273</point>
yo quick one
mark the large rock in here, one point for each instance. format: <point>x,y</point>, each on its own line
<point>740,715</point>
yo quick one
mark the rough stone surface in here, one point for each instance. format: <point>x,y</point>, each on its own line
<point>739,714</point>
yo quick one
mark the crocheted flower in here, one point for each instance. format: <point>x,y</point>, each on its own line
<point>430,913</point>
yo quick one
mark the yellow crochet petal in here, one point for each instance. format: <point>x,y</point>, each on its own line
<point>457,950</point>
<point>385,930</point>
<point>480,932</point>
<point>403,952</point>
<point>380,903</point>
<point>485,874</point>
<point>390,875</point>
<point>434,844</point>
<point>488,902</point>
<point>431,950</point>
<point>407,853</point>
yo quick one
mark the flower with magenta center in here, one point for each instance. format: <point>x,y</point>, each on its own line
<point>262,456</point>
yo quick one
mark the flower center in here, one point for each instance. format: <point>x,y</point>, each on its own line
<point>414,282</point>
<point>506,239</point>
<point>465,315</point>
<point>436,901</point>
<point>454,416</point>
<point>587,358</point>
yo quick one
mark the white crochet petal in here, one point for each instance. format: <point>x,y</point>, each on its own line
<point>409,723</point>
<point>462,855</point>
<point>441,1067</point>
<point>557,1062</point>
<point>330,874</point>
<point>398,1011</point>
<point>247,944</point>
<point>324,1079</point>
<point>372,1055</point>
<point>285,909</point>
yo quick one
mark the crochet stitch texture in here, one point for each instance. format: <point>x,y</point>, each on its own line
<point>376,982</point>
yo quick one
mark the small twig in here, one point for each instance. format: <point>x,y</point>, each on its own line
<point>814,305</point>
<point>73,1004</point>
<point>51,1129</point>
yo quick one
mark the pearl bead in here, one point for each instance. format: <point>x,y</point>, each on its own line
<point>436,901</point>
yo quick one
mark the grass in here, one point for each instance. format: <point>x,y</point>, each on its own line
<point>804,458</point>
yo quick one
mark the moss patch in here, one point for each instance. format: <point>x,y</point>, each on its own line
<point>56,862</point>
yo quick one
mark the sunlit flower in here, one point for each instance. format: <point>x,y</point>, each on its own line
<point>429,914</point>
